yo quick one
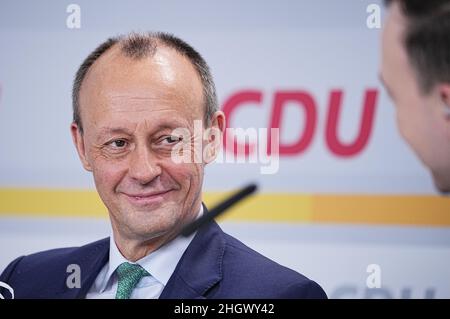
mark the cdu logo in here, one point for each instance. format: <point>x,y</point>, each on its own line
<point>8,287</point>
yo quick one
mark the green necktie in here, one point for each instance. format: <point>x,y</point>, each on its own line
<point>129,275</point>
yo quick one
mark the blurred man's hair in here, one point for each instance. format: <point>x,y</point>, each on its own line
<point>427,39</point>
<point>138,46</point>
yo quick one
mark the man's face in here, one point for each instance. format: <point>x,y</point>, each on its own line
<point>419,116</point>
<point>129,109</point>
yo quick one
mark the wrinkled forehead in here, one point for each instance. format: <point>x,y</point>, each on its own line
<point>165,75</point>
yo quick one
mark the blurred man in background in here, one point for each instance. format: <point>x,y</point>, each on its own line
<point>415,69</point>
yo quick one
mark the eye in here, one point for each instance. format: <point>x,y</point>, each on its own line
<point>171,140</point>
<point>118,143</point>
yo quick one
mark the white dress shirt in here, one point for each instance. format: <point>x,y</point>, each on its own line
<point>160,264</point>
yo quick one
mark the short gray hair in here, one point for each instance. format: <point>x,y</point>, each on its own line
<point>141,45</point>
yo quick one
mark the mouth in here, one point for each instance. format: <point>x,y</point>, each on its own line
<point>148,198</point>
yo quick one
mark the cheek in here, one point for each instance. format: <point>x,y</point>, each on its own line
<point>186,175</point>
<point>402,121</point>
<point>107,174</point>
<point>410,129</point>
<point>414,125</point>
<point>409,116</point>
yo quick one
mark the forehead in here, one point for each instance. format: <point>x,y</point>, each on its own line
<point>116,84</point>
<point>394,57</point>
<point>395,23</point>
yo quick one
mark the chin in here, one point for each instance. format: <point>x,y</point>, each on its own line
<point>444,189</point>
<point>442,183</point>
<point>146,231</point>
<point>146,224</point>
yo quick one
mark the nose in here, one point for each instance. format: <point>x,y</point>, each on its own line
<point>143,166</point>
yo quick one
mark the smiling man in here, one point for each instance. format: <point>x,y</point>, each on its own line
<point>415,70</point>
<point>129,97</point>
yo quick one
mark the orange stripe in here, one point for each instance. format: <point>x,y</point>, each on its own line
<point>382,209</point>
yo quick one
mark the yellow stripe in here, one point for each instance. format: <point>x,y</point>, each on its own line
<point>385,209</point>
<point>51,202</point>
<point>270,207</point>
<point>267,207</point>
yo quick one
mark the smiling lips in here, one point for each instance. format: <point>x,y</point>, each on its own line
<point>147,198</point>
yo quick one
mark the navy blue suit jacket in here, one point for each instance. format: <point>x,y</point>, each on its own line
<point>215,265</point>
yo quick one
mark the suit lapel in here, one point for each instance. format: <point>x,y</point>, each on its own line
<point>91,259</point>
<point>200,267</point>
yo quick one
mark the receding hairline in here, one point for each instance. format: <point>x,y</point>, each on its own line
<point>138,46</point>
<point>122,48</point>
<point>116,51</point>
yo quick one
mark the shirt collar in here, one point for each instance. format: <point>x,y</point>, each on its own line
<point>160,264</point>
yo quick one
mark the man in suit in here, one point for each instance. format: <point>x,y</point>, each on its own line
<point>136,99</point>
<point>415,70</point>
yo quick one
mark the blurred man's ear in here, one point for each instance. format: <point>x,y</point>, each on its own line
<point>78,140</point>
<point>214,137</point>
<point>445,97</point>
<point>444,91</point>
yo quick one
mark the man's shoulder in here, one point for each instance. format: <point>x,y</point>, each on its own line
<point>51,257</point>
<point>46,264</point>
<point>248,258</point>
<point>252,269</point>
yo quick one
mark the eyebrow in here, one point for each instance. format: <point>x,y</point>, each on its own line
<point>115,130</point>
<point>124,130</point>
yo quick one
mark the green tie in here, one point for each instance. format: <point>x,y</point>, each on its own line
<point>129,275</point>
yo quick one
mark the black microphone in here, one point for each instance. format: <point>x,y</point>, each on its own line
<point>219,209</point>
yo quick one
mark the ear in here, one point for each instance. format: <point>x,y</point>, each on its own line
<point>213,137</point>
<point>78,140</point>
<point>444,91</point>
